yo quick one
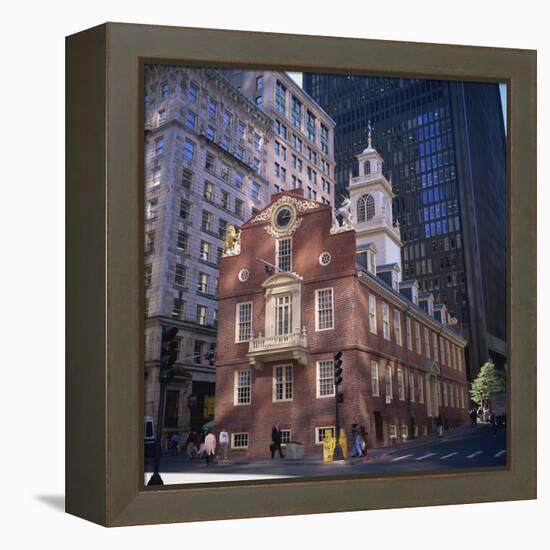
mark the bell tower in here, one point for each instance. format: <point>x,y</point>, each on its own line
<point>371,202</point>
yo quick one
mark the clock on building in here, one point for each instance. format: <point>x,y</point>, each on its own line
<point>284,218</point>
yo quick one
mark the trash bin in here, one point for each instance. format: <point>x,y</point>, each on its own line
<point>294,450</point>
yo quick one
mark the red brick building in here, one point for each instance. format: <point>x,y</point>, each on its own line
<point>298,286</point>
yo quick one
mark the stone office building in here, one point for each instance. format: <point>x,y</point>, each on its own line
<point>300,285</point>
<point>205,168</point>
<point>301,155</point>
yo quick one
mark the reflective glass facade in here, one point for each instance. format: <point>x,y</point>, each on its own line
<point>443,146</point>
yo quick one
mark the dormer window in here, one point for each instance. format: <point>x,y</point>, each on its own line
<point>366,168</point>
<point>371,262</point>
<point>365,208</point>
<point>414,295</point>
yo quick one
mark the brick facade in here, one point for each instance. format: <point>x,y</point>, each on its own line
<point>351,334</point>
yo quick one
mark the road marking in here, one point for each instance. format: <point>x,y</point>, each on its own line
<point>474,454</point>
<point>449,455</point>
<point>400,458</point>
<point>500,453</point>
<point>425,456</point>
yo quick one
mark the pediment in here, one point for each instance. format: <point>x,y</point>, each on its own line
<point>282,279</point>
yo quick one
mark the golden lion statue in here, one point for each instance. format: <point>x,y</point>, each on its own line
<point>232,241</point>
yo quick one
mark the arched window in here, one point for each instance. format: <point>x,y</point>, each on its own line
<point>370,206</point>
<point>361,210</point>
<point>366,168</point>
<point>365,208</point>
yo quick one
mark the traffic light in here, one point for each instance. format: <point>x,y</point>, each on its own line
<point>210,355</point>
<point>168,353</point>
<point>337,368</point>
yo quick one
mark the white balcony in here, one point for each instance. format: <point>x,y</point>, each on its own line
<point>292,346</point>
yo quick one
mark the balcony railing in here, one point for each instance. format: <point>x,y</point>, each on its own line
<point>291,346</point>
<point>281,341</point>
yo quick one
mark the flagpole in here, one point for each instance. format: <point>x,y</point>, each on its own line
<point>267,263</point>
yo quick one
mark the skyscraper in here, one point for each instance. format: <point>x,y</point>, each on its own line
<point>302,153</point>
<point>205,168</point>
<point>445,153</point>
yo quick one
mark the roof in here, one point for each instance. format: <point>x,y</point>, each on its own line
<point>418,310</point>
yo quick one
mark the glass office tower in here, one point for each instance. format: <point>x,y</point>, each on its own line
<point>444,149</point>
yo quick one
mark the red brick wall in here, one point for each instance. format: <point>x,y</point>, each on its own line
<point>350,335</point>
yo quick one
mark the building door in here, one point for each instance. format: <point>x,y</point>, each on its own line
<point>378,429</point>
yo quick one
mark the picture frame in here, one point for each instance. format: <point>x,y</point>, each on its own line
<point>104,185</point>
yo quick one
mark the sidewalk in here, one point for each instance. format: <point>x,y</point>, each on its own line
<point>316,459</point>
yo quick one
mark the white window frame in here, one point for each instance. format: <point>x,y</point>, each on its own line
<point>435,346</point>
<point>421,389</point>
<point>442,349</point>
<point>397,327</point>
<point>411,386</point>
<point>388,382</point>
<point>318,311</point>
<point>319,441</point>
<point>404,432</point>
<point>417,337</point>
<point>238,306</point>
<point>236,388</point>
<point>284,439</point>
<point>284,382</point>
<point>427,342</point>
<point>392,431</point>
<point>319,364</point>
<point>233,437</point>
<point>400,384</point>
<point>374,379</point>
<point>408,329</point>
<point>372,314</point>
<point>277,262</point>
<point>445,394</point>
<point>283,314</point>
<point>386,321</point>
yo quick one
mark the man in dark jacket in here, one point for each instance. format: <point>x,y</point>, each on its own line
<point>276,438</point>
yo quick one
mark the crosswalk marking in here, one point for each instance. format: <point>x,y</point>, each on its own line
<point>400,458</point>
<point>425,456</point>
<point>449,455</point>
<point>500,453</point>
<point>474,454</point>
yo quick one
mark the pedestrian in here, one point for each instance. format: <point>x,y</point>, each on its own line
<point>223,439</point>
<point>473,417</point>
<point>364,435</point>
<point>439,425</point>
<point>209,446</point>
<point>356,439</point>
<point>493,419</point>
<point>276,438</point>
<point>175,441</point>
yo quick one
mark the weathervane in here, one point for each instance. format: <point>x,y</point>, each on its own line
<point>370,135</point>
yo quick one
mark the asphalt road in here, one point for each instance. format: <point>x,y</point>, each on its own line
<point>464,448</point>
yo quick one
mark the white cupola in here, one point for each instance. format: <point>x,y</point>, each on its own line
<point>371,202</point>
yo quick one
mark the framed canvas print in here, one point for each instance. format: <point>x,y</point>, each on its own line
<point>301,274</point>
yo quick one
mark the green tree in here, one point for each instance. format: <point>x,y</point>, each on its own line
<point>488,381</point>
